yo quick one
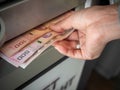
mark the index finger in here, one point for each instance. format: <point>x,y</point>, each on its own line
<point>62,25</point>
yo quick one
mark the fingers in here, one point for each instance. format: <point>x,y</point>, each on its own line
<point>61,26</point>
<point>87,51</point>
<point>72,21</point>
<point>78,53</point>
<point>70,52</point>
<point>65,43</point>
<point>73,36</point>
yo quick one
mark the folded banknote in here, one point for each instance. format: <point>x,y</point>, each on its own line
<point>31,49</point>
<point>47,45</point>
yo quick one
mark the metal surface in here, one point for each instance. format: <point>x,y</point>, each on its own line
<point>21,18</point>
<point>2,32</point>
<point>11,77</point>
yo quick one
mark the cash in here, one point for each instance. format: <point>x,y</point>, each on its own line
<point>22,50</point>
<point>31,49</point>
<point>48,44</point>
<point>24,57</point>
<point>17,44</point>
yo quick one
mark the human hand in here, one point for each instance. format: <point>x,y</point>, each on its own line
<point>95,27</point>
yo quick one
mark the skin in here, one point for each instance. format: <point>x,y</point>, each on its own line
<point>94,28</point>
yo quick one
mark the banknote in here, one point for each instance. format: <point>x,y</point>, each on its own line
<point>17,44</point>
<point>14,63</point>
<point>46,45</point>
<point>28,51</point>
<point>24,57</point>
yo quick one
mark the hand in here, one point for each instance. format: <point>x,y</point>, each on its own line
<point>95,27</point>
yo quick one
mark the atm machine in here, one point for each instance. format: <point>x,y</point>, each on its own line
<point>50,70</point>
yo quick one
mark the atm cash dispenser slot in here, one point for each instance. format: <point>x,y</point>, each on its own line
<point>22,50</point>
<point>31,13</point>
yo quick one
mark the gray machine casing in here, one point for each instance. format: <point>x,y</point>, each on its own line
<point>18,17</point>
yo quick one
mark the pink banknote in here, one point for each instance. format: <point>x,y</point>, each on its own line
<point>31,49</point>
<point>17,44</point>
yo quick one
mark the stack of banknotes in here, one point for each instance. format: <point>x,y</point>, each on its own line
<point>22,50</point>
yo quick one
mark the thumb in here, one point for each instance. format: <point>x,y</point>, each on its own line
<point>75,21</point>
<point>62,25</point>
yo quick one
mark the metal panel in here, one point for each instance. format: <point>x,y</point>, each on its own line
<point>2,32</point>
<point>21,18</point>
<point>31,13</point>
<point>11,77</point>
